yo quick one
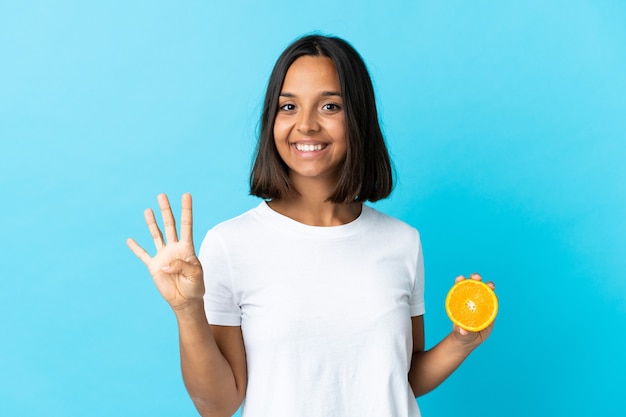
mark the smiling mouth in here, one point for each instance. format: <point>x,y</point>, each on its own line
<point>309,148</point>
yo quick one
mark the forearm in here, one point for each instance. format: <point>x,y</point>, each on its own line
<point>430,368</point>
<point>208,376</point>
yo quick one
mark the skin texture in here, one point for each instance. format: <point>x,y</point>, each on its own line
<point>430,368</point>
<point>311,113</point>
<point>213,358</point>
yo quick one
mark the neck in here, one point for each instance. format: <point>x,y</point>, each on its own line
<point>311,208</point>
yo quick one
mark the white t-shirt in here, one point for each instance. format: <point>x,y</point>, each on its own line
<point>325,311</point>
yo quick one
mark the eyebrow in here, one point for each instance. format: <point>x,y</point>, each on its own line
<point>323,94</point>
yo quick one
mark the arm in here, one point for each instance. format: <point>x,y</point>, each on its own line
<point>429,368</point>
<point>213,358</point>
<point>213,363</point>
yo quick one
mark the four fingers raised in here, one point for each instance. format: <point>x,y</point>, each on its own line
<point>169,224</point>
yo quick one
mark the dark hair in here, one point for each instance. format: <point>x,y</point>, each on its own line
<point>366,173</point>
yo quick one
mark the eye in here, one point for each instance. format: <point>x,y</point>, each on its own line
<point>331,107</point>
<point>287,107</point>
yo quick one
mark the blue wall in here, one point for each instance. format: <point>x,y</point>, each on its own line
<point>506,124</point>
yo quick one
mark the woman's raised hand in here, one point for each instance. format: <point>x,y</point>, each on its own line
<point>175,268</point>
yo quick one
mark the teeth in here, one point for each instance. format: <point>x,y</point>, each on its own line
<point>309,148</point>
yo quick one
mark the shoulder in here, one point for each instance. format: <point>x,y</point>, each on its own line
<point>248,218</point>
<point>233,229</point>
<point>388,230</point>
<point>385,222</point>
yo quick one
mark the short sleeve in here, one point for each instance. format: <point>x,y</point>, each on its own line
<point>416,301</point>
<point>219,300</point>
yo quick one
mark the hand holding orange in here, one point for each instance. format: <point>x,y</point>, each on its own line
<point>472,305</point>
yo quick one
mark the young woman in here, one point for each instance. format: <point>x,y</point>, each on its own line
<point>310,304</point>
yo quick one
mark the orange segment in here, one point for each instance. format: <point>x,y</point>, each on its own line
<point>472,305</point>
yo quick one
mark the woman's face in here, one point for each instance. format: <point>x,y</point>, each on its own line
<point>309,129</point>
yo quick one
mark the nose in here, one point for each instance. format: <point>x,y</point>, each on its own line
<point>307,120</point>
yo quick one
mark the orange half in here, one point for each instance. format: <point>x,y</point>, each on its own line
<point>472,305</point>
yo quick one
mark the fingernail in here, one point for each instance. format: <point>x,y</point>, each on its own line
<point>165,268</point>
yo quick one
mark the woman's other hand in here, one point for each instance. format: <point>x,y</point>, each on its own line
<point>471,340</point>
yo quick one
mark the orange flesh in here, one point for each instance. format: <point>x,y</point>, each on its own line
<point>471,305</point>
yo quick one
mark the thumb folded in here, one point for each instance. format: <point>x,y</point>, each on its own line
<point>178,266</point>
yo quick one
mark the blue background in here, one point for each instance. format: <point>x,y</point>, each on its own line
<point>506,122</point>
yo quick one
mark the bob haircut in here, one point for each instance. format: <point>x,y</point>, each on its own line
<point>366,173</point>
